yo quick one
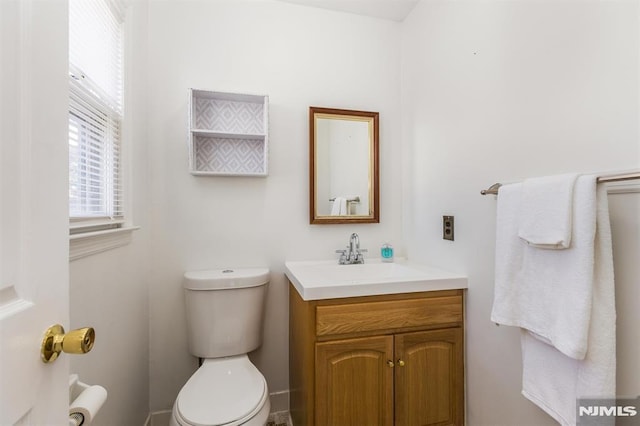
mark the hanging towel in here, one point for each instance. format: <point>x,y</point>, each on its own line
<point>547,292</point>
<point>546,211</point>
<point>563,301</point>
<point>554,381</point>
<point>339,207</point>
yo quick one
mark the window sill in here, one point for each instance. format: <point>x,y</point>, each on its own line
<point>90,243</point>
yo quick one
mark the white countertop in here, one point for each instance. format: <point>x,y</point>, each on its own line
<point>326,279</point>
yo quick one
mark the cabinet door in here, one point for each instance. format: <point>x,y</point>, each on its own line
<point>354,382</point>
<point>429,378</point>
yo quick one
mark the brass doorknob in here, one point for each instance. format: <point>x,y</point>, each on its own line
<point>401,363</point>
<point>55,340</point>
<point>390,363</point>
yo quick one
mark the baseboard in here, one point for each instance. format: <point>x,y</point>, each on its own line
<point>279,402</point>
<point>159,418</point>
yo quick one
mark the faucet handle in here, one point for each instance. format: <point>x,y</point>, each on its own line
<point>343,256</point>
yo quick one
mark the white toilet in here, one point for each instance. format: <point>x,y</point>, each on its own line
<point>225,309</point>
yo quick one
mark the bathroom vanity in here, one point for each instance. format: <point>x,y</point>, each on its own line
<point>393,355</point>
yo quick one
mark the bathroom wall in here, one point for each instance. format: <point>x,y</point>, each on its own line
<point>109,290</point>
<point>498,91</point>
<point>300,57</point>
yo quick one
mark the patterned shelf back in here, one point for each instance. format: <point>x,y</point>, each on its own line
<point>229,116</point>
<point>236,156</point>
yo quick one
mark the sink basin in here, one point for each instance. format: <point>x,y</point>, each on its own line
<point>322,279</point>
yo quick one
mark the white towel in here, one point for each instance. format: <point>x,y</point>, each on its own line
<point>339,207</point>
<point>549,293</point>
<point>546,211</point>
<point>554,381</point>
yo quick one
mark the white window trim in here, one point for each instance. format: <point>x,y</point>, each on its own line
<point>90,243</point>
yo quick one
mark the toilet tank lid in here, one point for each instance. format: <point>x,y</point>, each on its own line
<point>220,279</point>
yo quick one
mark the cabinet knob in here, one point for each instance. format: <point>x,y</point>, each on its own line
<point>401,363</point>
<point>390,363</point>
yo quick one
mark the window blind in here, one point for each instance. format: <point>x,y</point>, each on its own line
<point>94,159</point>
<point>95,114</point>
<point>95,47</point>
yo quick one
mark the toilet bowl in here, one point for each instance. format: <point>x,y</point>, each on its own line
<point>225,309</point>
<point>223,391</point>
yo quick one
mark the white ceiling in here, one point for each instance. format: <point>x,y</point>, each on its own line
<point>395,10</point>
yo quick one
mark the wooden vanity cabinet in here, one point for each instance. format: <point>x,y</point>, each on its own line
<point>353,381</point>
<point>377,360</point>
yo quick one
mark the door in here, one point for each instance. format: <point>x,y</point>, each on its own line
<point>33,208</point>
<point>354,382</point>
<point>429,378</point>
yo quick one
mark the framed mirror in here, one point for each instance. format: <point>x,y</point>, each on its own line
<point>343,166</point>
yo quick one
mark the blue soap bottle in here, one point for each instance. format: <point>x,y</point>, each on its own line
<point>386,252</point>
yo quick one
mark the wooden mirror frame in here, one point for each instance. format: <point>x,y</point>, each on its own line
<point>374,173</point>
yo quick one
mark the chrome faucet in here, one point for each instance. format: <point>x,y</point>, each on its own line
<point>353,252</point>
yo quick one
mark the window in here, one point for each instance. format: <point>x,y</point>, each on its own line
<point>95,115</point>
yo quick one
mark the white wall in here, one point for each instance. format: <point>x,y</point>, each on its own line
<point>109,290</point>
<point>497,91</point>
<point>109,293</point>
<point>300,57</point>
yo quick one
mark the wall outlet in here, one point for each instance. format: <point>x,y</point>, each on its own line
<point>447,228</point>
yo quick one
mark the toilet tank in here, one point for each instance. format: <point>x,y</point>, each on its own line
<point>225,310</point>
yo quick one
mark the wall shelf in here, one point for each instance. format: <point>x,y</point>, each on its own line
<point>228,134</point>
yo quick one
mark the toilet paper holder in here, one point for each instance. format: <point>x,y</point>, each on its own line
<point>84,401</point>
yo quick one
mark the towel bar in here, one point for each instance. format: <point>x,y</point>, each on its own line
<point>349,200</point>
<point>493,189</point>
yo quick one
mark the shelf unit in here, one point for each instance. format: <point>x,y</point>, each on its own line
<point>228,134</point>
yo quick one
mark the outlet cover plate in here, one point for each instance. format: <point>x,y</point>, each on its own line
<point>447,228</point>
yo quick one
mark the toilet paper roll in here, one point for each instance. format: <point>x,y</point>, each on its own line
<point>88,403</point>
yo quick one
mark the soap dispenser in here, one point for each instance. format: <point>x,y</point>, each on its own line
<point>386,252</point>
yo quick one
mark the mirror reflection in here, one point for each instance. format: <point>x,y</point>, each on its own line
<point>344,160</point>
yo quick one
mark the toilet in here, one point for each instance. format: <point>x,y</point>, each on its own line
<point>225,309</point>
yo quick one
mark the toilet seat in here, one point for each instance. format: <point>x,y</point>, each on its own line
<point>224,391</point>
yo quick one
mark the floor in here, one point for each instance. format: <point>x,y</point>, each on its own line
<point>280,418</point>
